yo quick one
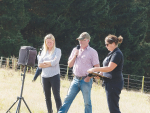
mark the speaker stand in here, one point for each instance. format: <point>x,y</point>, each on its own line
<point>20,98</point>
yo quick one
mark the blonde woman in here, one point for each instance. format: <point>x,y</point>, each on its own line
<point>49,62</point>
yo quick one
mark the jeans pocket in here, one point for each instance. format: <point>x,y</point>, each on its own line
<point>87,79</point>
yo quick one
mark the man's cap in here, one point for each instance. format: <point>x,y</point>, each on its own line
<point>84,35</point>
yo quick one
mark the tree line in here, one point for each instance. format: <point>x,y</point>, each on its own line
<point>26,22</point>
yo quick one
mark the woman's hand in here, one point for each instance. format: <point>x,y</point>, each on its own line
<point>90,70</point>
<point>98,77</point>
<point>101,73</point>
<point>47,63</point>
<point>41,65</point>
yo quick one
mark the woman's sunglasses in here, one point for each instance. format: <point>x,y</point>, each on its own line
<point>106,44</point>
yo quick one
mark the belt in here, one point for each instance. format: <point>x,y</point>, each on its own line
<point>80,78</point>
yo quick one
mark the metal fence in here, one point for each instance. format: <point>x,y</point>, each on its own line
<point>131,82</point>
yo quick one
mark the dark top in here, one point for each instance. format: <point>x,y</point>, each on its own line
<point>115,56</point>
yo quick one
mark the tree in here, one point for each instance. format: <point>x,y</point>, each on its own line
<point>65,20</point>
<point>13,18</point>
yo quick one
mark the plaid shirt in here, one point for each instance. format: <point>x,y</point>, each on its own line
<point>85,60</point>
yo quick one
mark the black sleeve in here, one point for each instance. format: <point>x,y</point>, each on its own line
<point>116,58</point>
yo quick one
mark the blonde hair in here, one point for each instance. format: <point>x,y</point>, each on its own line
<point>112,38</point>
<point>45,48</point>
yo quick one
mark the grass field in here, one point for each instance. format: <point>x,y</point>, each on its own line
<point>10,88</point>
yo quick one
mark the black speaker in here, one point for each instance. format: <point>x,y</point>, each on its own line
<point>27,56</point>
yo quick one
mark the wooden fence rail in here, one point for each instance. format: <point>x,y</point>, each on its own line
<point>12,63</point>
<point>143,84</point>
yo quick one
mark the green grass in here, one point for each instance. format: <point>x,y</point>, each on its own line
<point>10,88</point>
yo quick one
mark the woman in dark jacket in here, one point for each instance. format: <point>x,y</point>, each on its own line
<point>112,68</point>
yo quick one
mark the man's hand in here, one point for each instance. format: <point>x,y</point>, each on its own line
<point>87,79</point>
<point>72,61</point>
<point>76,52</point>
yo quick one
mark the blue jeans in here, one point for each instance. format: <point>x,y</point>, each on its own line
<point>37,73</point>
<point>74,89</point>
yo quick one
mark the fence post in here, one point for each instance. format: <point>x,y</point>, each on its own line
<point>27,68</point>
<point>1,61</point>
<point>128,81</point>
<point>12,62</point>
<point>21,68</point>
<point>7,63</point>
<point>15,63</point>
<point>67,73</point>
<point>31,70</point>
<point>142,85</point>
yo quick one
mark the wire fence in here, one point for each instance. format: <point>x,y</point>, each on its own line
<point>131,82</point>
